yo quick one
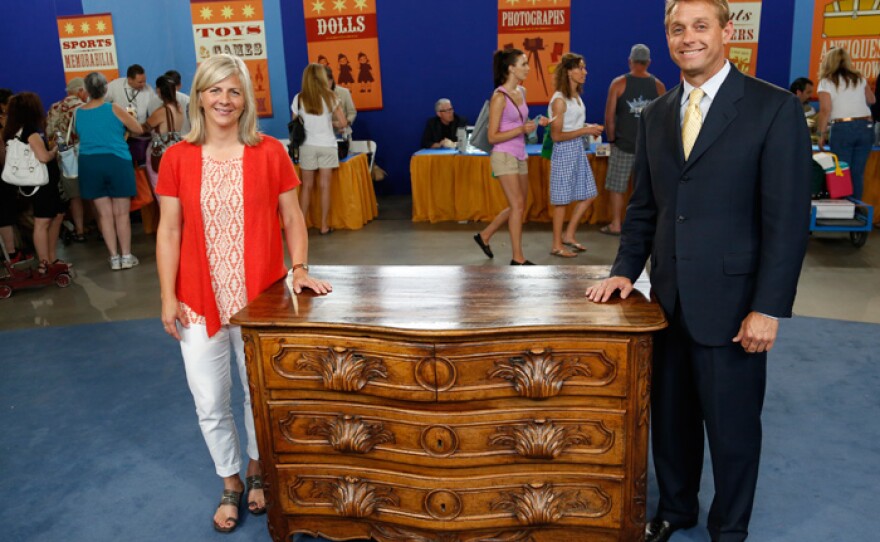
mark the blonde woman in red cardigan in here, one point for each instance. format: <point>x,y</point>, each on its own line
<point>218,247</point>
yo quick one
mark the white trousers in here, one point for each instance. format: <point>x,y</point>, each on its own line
<point>208,364</point>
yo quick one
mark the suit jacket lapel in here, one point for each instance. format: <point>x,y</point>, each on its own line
<point>721,114</point>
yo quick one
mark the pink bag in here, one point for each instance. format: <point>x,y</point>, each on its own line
<point>838,180</point>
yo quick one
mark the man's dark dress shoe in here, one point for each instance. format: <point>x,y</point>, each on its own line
<point>659,530</point>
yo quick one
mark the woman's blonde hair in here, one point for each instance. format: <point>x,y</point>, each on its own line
<point>568,62</point>
<point>210,72</point>
<point>316,96</point>
<point>838,65</point>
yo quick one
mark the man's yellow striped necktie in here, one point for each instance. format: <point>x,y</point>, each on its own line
<point>693,121</point>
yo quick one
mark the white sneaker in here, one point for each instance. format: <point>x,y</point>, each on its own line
<point>116,262</point>
<point>129,261</point>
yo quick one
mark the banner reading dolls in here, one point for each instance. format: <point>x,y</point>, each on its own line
<point>852,25</point>
<point>742,50</point>
<point>236,28</point>
<point>343,34</point>
<point>542,30</point>
<point>88,45</point>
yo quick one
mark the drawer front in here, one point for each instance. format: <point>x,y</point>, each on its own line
<point>473,501</point>
<point>537,369</point>
<point>450,439</point>
<point>366,366</point>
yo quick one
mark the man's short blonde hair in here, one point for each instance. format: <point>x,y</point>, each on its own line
<point>721,6</point>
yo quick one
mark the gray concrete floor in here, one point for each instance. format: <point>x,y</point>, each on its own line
<point>838,280</point>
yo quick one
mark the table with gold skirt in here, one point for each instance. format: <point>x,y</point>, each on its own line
<point>871,192</point>
<point>447,185</point>
<point>352,198</point>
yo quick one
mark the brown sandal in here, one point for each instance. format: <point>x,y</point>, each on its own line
<point>255,482</point>
<point>233,498</point>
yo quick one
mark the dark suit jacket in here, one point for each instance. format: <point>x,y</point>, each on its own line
<point>727,230</point>
<point>435,130</point>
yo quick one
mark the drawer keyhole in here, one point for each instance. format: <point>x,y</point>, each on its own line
<point>440,444</point>
<point>443,507</point>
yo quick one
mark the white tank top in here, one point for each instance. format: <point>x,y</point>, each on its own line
<point>575,112</point>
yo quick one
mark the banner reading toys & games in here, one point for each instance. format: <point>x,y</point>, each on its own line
<point>851,24</point>
<point>742,50</point>
<point>542,30</point>
<point>88,45</point>
<point>343,34</point>
<point>235,28</point>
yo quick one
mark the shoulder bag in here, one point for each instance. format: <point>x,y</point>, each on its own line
<point>22,168</point>
<point>68,157</point>
<point>296,133</point>
<point>161,142</point>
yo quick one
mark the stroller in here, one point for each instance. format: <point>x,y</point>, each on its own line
<point>19,275</point>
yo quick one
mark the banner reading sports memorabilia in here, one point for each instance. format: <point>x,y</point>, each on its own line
<point>742,50</point>
<point>344,35</point>
<point>88,45</point>
<point>542,30</point>
<point>235,28</point>
<point>851,24</point>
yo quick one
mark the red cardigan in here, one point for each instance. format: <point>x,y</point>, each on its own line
<point>267,172</point>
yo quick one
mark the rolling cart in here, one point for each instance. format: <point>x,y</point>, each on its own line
<point>17,276</point>
<point>858,226</point>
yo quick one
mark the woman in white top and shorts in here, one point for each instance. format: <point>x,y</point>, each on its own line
<point>321,113</point>
<point>571,178</point>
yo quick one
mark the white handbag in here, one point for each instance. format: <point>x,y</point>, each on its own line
<point>69,157</point>
<point>22,169</point>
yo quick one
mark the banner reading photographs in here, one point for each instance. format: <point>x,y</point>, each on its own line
<point>541,29</point>
<point>343,34</point>
<point>743,47</point>
<point>851,24</point>
<point>235,28</point>
<point>88,45</point>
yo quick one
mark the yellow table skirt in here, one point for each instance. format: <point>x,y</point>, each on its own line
<point>352,198</point>
<point>460,187</point>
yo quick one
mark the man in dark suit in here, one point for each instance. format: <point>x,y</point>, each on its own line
<point>721,206</point>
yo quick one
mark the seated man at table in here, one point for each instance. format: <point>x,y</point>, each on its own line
<point>441,131</point>
<point>803,89</point>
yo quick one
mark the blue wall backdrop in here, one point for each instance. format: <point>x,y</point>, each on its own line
<point>428,50</point>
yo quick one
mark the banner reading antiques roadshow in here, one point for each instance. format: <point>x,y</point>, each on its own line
<point>742,50</point>
<point>88,45</point>
<point>851,24</point>
<point>541,29</point>
<point>236,28</point>
<point>343,34</point>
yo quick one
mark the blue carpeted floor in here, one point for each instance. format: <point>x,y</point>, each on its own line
<point>100,440</point>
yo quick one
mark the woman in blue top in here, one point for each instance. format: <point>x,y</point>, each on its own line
<point>106,174</point>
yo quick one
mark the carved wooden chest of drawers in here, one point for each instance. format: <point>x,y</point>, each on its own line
<point>452,404</point>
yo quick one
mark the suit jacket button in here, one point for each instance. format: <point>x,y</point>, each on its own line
<point>681,218</point>
<point>684,179</point>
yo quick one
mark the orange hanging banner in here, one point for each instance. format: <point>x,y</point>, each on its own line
<point>542,30</point>
<point>742,50</point>
<point>235,28</point>
<point>852,25</point>
<point>88,45</point>
<point>343,34</point>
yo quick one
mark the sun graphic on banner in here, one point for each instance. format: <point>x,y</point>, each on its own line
<point>339,5</point>
<point>85,28</point>
<point>318,6</point>
<point>513,2</point>
<point>360,4</point>
<point>206,13</point>
<point>227,12</point>
<point>248,11</point>
<point>69,28</point>
<point>101,26</point>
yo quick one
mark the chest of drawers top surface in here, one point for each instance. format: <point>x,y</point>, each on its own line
<point>452,301</point>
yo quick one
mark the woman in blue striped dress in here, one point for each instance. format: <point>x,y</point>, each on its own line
<point>571,178</point>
